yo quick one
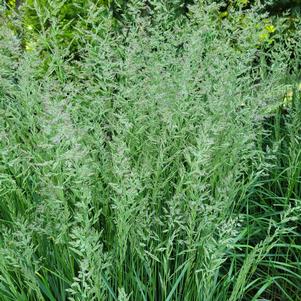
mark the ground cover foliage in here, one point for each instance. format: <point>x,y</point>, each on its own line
<point>160,160</point>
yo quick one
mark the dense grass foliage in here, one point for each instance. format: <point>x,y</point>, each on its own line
<point>163,162</point>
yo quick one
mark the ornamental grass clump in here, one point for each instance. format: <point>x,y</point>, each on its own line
<point>158,163</point>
